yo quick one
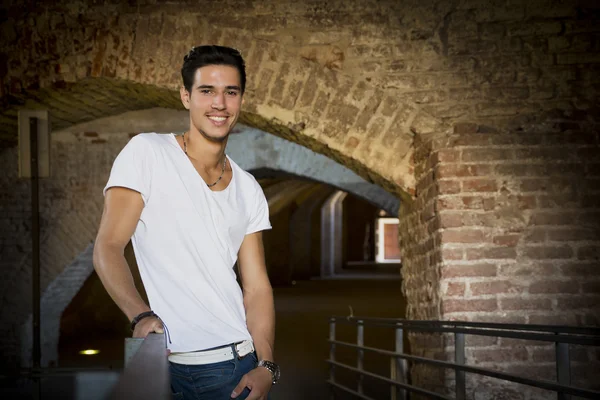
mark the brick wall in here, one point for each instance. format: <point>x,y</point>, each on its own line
<point>515,218</point>
<point>421,258</point>
<point>520,227</point>
<point>520,239</point>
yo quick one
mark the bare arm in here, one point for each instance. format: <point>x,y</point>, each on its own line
<point>260,312</point>
<point>122,210</point>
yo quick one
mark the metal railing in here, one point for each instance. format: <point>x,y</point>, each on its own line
<point>561,336</point>
<point>146,376</point>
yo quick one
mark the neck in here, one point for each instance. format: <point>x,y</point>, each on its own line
<point>208,152</point>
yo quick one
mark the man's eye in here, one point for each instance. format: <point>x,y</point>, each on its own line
<point>232,93</point>
<point>205,91</point>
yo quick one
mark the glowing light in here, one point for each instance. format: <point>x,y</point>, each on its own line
<point>89,352</point>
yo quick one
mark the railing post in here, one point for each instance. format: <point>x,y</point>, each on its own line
<point>459,358</point>
<point>398,366</point>
<point>360,341</point>
<point>563,368</point>
<point>332,357</point>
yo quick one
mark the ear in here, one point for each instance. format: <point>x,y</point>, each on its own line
<point>185,97</point>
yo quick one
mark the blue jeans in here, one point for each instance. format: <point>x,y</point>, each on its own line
<point>211,381</point>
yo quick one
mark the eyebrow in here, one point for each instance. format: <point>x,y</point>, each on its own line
<point>231,87</point>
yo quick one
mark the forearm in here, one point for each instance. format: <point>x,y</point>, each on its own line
<point>114,272</point>
<point>260,319</point>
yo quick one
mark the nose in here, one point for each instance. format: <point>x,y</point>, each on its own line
<point>219,101</point>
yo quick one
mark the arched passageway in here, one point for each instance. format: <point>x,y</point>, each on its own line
<point>99,141</point>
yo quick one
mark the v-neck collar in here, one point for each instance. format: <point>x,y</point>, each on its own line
<point>189,162</point>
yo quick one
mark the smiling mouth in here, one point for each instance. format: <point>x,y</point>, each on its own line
<point>217,119</point>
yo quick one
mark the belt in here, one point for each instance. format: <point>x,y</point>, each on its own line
<point>220,354</point>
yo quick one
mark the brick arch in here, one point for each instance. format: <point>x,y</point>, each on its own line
<point>256,150</point>
<point>130,60</point>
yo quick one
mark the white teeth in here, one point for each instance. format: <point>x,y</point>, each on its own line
<point>218,119</point>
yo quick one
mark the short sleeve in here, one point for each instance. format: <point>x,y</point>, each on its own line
<point>133,167</point>
<point>259,219</point>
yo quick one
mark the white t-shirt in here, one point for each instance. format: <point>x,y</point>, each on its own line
<point>187,239</point>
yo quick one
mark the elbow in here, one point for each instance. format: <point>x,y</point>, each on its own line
<point>102,250</point>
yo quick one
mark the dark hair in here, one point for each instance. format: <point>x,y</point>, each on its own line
<point>201,56</point>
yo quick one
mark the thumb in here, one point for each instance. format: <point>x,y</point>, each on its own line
<point>239,388</point>
<point>158,328</point>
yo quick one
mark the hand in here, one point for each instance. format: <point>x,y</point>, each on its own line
<point>147,325</point>
<point>259,381</point>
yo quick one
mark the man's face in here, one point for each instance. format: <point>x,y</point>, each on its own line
<point>215,100</point>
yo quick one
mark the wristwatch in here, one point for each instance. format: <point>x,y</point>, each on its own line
<point>272,367</point>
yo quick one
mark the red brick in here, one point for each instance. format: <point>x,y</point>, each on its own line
<point>581,269</point>
<point>554,218</point>
<point>462,170</point>
<point>448,220</point>
<point>589,253</point>
<point>492,253</point>
<point>535,235</point>
<point>464,235</point>
<point>485,305</point>
<point>550,154</point>
<point>452,254</point>
<point>554,287</point>
<point>589,218</point>
<point>479,185</point>
<point>507,318</point>
<point>499,355</point>
<point>465,128</point>
<point>447,155</point>
<point>449,187</point>
<point>591,287</point>
<point>468,270</point>
<point>448,203</point>
<point>554,318</point>
<point>506,240</point>
<point>487,219</point>
<point>544,253</point>
<point>520,269</point>
<point>494,287</point>
<point>480,341</point>
<point>534,185</point>
<point>567,200</point>
<point>455,289</point>
<point>516,170</point>
<point>525,303</point>
<point>578,302</point>
<point>569,235</point>
<point>547,354</point>
<point>486,155</point>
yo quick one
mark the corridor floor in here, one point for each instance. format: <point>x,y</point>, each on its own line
<point>302,328</point>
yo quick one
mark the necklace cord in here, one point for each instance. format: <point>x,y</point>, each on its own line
<point>222,169</point>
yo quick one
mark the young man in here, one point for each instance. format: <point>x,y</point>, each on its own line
<point>190,213</point>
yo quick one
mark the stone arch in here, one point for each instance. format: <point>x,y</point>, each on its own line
<point>74,219</point>
<point>127,59</point>
<point>255,150</point>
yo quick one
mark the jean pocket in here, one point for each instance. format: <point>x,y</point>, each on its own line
<point>209,376</point>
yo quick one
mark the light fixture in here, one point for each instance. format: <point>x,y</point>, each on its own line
<point>89,352</point>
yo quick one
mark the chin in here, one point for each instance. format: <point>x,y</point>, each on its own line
<point>219,137</point>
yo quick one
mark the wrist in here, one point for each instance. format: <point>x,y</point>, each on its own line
<point>141,316</point>
<point>272,368</point>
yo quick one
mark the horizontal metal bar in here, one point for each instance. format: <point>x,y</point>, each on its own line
<point>353,392</point>
<point>390,381</point>
<point>590,394</point>
<point>543,337</point>
<point>587,330</point>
